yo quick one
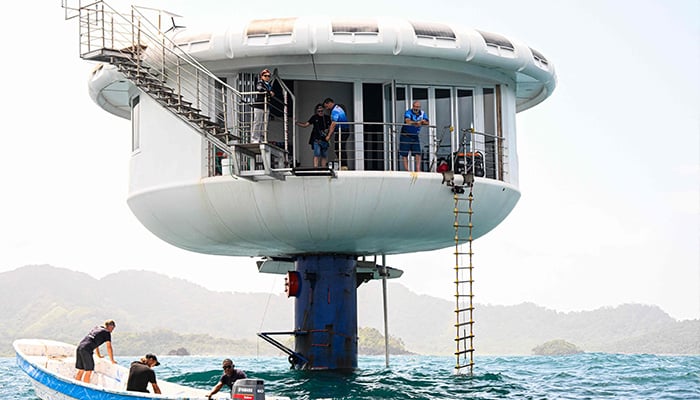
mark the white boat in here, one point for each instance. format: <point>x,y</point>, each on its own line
<point>51,367</point>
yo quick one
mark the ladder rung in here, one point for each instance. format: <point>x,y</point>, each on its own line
<point>463,324</point>
<point>467,281</point>
<point>457,353</point>
<point>464,309</point>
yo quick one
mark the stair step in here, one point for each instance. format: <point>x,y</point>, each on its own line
<point>126,64</point>
<point>172,99</point>
<point>224,136</point>
<point>184,109</point>
<point>158,89</point>
<point>147,80</point>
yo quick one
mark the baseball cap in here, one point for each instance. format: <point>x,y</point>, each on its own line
<point>153,357</point>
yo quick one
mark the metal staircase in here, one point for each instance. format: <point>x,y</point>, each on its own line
<point>140,48</point>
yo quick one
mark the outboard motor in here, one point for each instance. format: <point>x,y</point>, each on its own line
<point>248,389</point>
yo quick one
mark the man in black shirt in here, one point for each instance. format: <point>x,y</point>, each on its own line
<point>84,362</point>
<point>141,373</point>
<point>230,376</point>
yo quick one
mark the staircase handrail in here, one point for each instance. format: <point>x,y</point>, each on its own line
<point>104,28</point>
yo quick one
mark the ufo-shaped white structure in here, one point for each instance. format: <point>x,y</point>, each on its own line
<point>198,182</point>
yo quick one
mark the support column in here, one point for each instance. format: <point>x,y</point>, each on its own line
<point>325,319</point>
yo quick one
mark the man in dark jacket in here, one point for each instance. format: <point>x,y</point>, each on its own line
<point>261,107</point>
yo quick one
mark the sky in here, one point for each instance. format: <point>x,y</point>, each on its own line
<point>609,164</point>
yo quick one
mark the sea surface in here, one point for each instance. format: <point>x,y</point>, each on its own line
<point>582,376</point>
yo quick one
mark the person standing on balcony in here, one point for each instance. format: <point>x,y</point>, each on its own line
<point>338,115</point>
<point>261,107</point>
<point>409,140</point>
<point>319,135</point>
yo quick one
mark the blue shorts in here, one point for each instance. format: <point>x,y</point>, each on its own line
<point>321,149</point>
<point>409,144</point>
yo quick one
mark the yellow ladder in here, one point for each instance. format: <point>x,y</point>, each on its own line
<point>464,311</point>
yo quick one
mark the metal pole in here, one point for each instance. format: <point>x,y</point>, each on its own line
<point>386,322</point>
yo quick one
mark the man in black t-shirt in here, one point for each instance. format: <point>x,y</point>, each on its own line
<point>319,135</point>
<point>230,376</point>
<point>141,373</point>
<point>84,362</point>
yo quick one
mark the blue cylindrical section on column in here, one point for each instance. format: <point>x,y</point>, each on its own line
<point>326,311</point>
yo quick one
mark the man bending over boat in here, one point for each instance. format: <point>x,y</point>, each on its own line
<point>230,376</point>
<point>141,373</point>
<point>91,342</point>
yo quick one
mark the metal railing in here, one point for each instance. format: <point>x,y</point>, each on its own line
<point>375,146</point>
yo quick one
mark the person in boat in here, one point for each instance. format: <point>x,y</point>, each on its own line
<point>98,335</point>
<point>338,115</point>
<point>230,376</point>
<point>261,106</point>
<point>319,135</point>
<point>141,373</point>
<point>409,139</point>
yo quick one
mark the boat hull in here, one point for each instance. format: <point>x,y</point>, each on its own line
<point>50,366</point>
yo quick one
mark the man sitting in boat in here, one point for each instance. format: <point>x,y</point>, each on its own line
<point>141,373</point>
<point>231,375</point>
<point>92,341</point>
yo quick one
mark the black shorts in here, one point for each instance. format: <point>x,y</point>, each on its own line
<point>84,360</point>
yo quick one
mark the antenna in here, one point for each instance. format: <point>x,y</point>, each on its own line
<point>175,26</point>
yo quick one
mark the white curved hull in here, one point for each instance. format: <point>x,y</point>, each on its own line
<point>360,212</point>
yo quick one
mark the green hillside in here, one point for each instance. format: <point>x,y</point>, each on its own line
<point>157,313</point>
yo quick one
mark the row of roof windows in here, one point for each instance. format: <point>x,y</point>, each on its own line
<point>282,26</point>
<point>423,30</point>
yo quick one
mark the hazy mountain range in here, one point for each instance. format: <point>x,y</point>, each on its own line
<point>155,310</point>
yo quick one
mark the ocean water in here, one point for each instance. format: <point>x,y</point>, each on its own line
<point>582,376</point>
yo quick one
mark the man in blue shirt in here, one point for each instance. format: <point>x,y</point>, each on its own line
<point>338,115</point>
<point>409,140</point>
